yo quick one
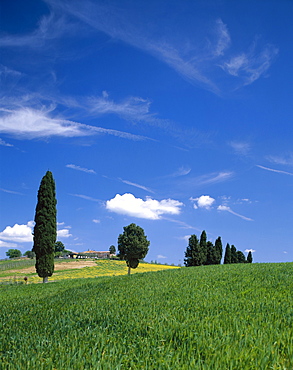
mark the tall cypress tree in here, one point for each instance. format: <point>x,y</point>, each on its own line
<point>227,256</point>
<point>203,247</point>
<point>234,258</point>
<point>218,250</point>
<point>45,227</point>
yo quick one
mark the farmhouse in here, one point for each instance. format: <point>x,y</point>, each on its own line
<point>91,254</point>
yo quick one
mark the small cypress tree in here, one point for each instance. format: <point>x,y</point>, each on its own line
<point>249,257</point>
<point>203,247</point>
<point>227,256</point>
<point>192,253</point>
<point>240,257</point>
<point>234,258</point>
<point>45,227</point>
<point>210,253</point>
<point>218,251</point>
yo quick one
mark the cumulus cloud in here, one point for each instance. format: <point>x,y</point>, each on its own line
<point>204,201</point>
<point>63,233</point>
<point>18,233</point>
<point>228,209</point>
<point>24,233</point>
<point>151,209</point>
<point>78,168</point>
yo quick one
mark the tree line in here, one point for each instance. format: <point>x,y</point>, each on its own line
<point>203,252</point>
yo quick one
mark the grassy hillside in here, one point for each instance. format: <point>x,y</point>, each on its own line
<point>213,317</point>
<point>16,270</point>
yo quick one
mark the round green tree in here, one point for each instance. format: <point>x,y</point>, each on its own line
<point>45,227</point>
<point>132,245</point>
<point>13,253</point>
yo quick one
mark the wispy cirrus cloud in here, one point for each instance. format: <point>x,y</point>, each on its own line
<point>196,61</point>
<point>3,143</point>
<point>10,191</point>
<point>78,168</point>
<point>274,170</point>
<point>228,209</point>
<point>281,159</point>
<point>251,65</point>
<point>30,123</point>
<point>137,185</point>
<point>49,28</point>
<point>86,197</point>
<point>240,147</point>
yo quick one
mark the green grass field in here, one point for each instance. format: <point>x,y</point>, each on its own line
<point>220,317</point>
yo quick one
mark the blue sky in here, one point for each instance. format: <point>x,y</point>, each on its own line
<point>174,115</point>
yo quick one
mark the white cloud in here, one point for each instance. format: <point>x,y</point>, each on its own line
<point>204,201</point>
<point>240,147</point>
<point>18,233</point>
<point>96,221</point>
<point>228,209</point>
<point>152,209</point>
<point>273,170</point>
<point>78,168</point>
<point>29,123</point>
<point>223,38</point>
<point>7,245</point>
<point>3,143</point>
<point>284,160</point>
<point>249,250</point>
<point>252,65</point>
<point>160,256</point>
<point>24,233</point>
<point>182,171</point>
<point>10,191</point>
<point>63,233</point>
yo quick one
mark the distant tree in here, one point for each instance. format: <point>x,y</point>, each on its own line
<point>112,249</point>
<point>45,227</point>
<point>13,253</point>
<point>132,245</point>
<point>210,253</point>
<point>249,257</point>
<point>218,250</point>
<point>30,254</point>
<point>59,247</point>
<point>227,256</point>
<point>240,257</point>
<point>234,258</point>
<point>203,247</point>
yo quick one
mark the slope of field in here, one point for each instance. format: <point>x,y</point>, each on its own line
<point>71,269</point>
<point>212,317</point>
